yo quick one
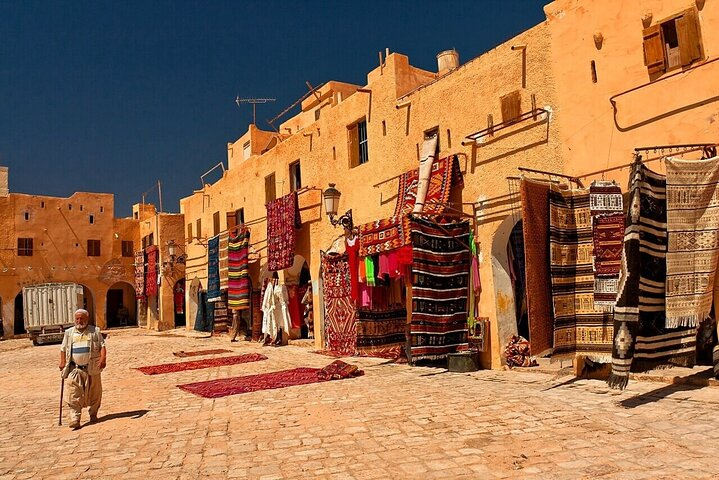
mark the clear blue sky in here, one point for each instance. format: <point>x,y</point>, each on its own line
<point>107,96</point>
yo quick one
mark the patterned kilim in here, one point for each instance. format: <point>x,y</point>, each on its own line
<point>381,334</point>
<point>340,331</point>
<point>221,315</point>
<point>579,329</point>
<point>224,237</point>
<point>394,232</point>
<point>440,286</point>
<point>283,219</point>
<point>607,209</point>
<point>693,228</point>
<point>140,274</point>
<point>238,287</point>
<point>199,364</point>
<point>151,274</point>
<point>641,341</point>
<point>535,225</point>
<point>197,353</point>
<point>213,269</point>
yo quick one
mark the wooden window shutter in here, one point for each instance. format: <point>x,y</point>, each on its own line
<point>654,49</point>
<point>511,107</point>
<point>231,220</point>
<point>353,145</point>
<point>690,47</point>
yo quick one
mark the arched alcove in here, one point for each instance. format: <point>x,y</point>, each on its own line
<point>120,305</point>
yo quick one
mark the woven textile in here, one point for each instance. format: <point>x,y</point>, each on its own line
<point>535,225</point>
<point>213,269</point>
<point>518,354</point>
<point>197,353</point>
<point>238,285</point>
<point>340,332</point>
<point>140,274</point>
<point>381,334</point>
<point>607,210</point>
<point>693,228</point>
<point>390,233</point>
<point>199,364</point>
<point>338,370</point>
<point>205,316</point>
<point>641,341</point>
<point>224,240</point>
<point>283,219</point>
<point>579,329</point>
<point>151,274</point>
<point>440,286</point>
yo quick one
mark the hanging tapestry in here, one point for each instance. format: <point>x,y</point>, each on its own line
<point>213,269</point>
<point>607,209</point>
<point>238,284</point>
<point>151,277</point>
<point>535,225</point>
<point>579,329</point>
<point>340,332</point>
<point>140,274</point>
<point>381,334</point>
<point>394,232</point>
<point>283,220</point>
<point>693,228</point>
<point>222,318</point>
<point>204,319</point>
<point>440,286</point>
<point>223,263</point>
<point>641,341</point>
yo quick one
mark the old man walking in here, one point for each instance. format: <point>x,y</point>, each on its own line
<point>82,358</point>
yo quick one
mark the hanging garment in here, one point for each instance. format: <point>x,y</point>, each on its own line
<point>352,250</point>
<point>641,341</point>
<point>369,268</point>
<point>213,269</point>
<point>294,305</point>
<point>607,209</point>
<point>339,320</point>
<point>426,161</point>
<point>275,308</point>
<point>535,226</point>
<point>152,253</point>
<point>140,274</point>
<point>579,328</point>
<point>238,285</point>
<point>179,297</point>
<point>693,228</point>
<point>283,220</point>
<point>440,283</point>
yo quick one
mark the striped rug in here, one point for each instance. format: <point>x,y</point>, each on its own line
<point>238,285</point>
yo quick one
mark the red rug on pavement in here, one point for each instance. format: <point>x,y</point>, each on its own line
<point>198,364</point>
<point>268,381</point>
<point>197,353</point>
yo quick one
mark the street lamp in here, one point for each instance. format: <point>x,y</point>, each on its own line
<point>331,197</point>
<point>169,264</point>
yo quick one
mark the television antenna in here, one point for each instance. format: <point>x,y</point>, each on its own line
<point>254,102</point>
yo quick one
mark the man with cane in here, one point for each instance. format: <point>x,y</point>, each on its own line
<point>82,359</point>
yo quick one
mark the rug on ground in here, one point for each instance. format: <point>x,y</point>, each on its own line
<point>199,364</point>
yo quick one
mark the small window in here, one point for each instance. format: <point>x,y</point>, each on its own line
<point>357,143</point>
<point>199,227</point>
<point>27,215</point>
<point>92,219</point>
<point>672,43</point>
<point>246,150</point>
<point>317,114</point>
<point>136,215</point>
<point>270,193</point>
<point>81,208</point>
<point>42,204</point>
<point>24,247</point>
<point>240,216</point>
<point>215,223</point>
<point>189,231</point>
<point>295,176</point>
<point>128,248</point>
<point>93,248</point>
<point>69,206</point>
<point>511,107</point>
<point>102,209</point>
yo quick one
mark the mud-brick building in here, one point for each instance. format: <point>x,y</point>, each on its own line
<point>76,239</point>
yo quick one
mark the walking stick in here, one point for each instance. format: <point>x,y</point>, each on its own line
<point>62,391</point>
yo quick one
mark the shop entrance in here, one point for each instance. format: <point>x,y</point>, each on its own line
<point>298,281</point>
<point>19,325</point>
<point>178,295</point>
<point>515,259</point>
<point>120,305</point>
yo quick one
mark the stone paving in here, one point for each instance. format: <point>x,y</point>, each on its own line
<point>396,421</point>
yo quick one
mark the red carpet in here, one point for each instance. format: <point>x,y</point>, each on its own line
<point>268,381</point>
<point>198,364</point>
<point>197,353</point>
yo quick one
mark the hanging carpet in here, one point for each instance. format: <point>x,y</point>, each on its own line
<point>606,206</point>
<point>381,334</point>
<point>440,286</point>
<point>223,260</point>
<point>238,284</point>
<point>140,274</point>
<point>641,340</point>
<point>693,228</point>
<point>283,220</point>
<point>199,364</point>
<point>152,253</point>
<point>535,225</point>
<point>390,233</point>
<point>213,269</point>
<point>579,329</point>
<point>340,331</point>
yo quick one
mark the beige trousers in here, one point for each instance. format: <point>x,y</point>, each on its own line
<point>83,390</point>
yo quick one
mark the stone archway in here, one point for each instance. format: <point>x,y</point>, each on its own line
<point>120,305</point>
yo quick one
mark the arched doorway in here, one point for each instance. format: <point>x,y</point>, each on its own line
<point>192,304</point>
<point>19,324</point>
<point>515,260</point>
<point>178,295</point>
<point>120,306</point>
<point>298,280</point>
<point>504,290</point>
<point>88,303</point>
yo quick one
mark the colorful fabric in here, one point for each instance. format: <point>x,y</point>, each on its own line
<point>199,364</point>
<point>352,249</point>
<point>283,220</point>
<point>381,334</point>
<point>641,341</point>
<point>178,297</point>
<point>197,353</point>
<point>140,274</point>
<point>223,261</point>
<point>152,253</point>
<point>340,331</point>
<point>238,284</point>
<point>440,284</point>
<point>607,210</point>
<point>339,370</point>
<point>394,232</point>
<point>579,328</point>
<point>518,353</point>
<point>693,228</point>
<point>213,269</point>
<point>221,317</point>
<point>535,226</point>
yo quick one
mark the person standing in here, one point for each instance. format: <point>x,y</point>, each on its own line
<point>82,358</point>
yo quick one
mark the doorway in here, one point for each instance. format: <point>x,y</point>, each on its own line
<point>178,296</point>
<point>120,308</point>
<point>19,326</point>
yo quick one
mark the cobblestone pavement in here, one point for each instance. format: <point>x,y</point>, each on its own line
<point>395,422</point>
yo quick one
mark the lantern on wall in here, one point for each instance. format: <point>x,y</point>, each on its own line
<point>331,197</point>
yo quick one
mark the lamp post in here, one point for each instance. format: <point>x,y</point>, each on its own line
<point>331,197</point>
<point>169,264</point>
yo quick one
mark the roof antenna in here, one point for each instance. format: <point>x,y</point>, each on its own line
<point>254,102</point>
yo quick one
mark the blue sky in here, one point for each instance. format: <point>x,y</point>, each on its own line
<point>111,96</point>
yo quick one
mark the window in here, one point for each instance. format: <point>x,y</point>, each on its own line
<point>42,204</point>
<point>235,218</point>
<point>511,107</point>
<point>81,208</point>
<point>295,176</point>
<point>357,143</point>
<point>199,227</point>
<point>270,193</point>
<point>92,219</point>
<point>128,249</point>
<point>672,43</point>
<point>27,216</point>
<point>215,223</point>
<point>102,209</point>
<point>189,232</point>
<point>246,150</point>
<point>24,247</point>
<point>93,248</point>
<point>148,240</point>
<point>317,114</point>
<point>69,206</point>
